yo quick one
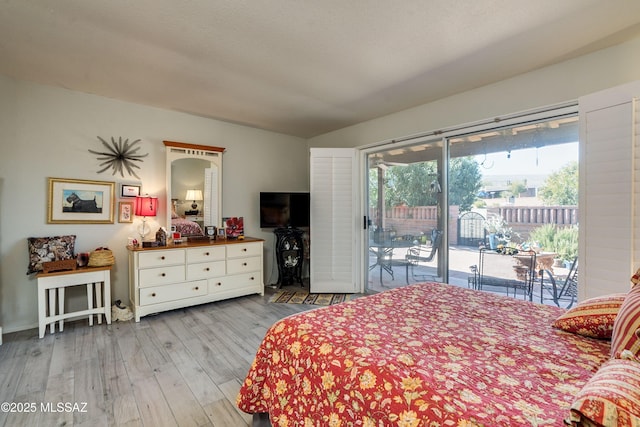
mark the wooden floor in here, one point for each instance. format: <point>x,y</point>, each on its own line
<point>179,368</point>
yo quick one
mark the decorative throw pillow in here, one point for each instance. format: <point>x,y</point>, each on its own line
<point>627,322</point>
<point>635,279</point>
<point>610,398</point>
<point>45,249</point>
<point>593,317</point>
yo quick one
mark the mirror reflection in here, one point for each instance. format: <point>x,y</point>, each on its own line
<point>187,188</point>
<point>193,181</point>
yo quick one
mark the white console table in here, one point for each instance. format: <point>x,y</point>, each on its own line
<point>51,287</point>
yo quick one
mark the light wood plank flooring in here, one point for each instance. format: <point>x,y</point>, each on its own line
<point>179,368</point>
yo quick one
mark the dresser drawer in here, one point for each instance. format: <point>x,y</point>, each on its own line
<point>161,275</point>
<point>242,280</point>
<point>228,283</point>
<point>159,258</point>
<point>206,253</point>
<point>205,270</point>
<point>237,250</point>
<point>158,294</point>
<point>244,265</point>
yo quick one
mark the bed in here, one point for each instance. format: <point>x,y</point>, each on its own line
<point>182,225</point>
<point>186,227</point>
<point>428,354</point>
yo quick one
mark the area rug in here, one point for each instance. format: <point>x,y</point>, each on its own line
<point>301,297</point>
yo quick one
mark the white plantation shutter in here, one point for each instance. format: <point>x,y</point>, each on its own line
<point>333,220</point>
<point>609,173</point>
<point>211,192</point>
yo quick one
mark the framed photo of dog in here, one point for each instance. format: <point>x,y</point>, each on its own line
<point>78,201</point>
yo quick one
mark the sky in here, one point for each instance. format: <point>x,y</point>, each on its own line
<point>544,160</point>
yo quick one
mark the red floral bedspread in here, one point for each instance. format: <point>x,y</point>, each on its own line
<point>422,355</point>
<point>186,227</point>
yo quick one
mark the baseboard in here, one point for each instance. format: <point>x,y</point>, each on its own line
<point>12,329</point>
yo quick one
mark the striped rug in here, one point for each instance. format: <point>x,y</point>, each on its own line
<point>301,297</point>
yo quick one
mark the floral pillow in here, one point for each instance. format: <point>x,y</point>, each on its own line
<point>45,249</point>
<point>626,324</point>
<point>610,398</point>
<point>593,317</point>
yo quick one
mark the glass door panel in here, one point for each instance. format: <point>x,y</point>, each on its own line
<point>404,218</point>
<point>514,187</point>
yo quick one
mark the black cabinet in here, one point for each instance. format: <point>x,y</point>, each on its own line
<point>289,255</point>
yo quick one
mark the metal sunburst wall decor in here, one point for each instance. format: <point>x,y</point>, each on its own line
<point>120,156</point>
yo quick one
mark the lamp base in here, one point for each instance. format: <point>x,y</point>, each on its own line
<point>194,205</point>
<point>143,230</point>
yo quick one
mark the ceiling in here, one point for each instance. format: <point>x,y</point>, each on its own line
<point>298,67</point>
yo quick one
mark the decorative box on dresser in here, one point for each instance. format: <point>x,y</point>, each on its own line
<point>185,274</point>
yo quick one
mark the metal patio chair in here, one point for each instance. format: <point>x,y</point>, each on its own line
<point>418,255</point>
<point>560,289</point>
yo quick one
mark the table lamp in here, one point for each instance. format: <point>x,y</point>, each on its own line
<point>194,195</point>
<point>145,206</point>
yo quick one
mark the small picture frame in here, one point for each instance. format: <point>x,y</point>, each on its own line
<point>222,233</point>
<point>129,190</point>
<point>210,230</point>
<point>125,212</point>
<point>176,236</point>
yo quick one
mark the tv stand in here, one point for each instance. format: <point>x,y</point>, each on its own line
<point>289,255</point>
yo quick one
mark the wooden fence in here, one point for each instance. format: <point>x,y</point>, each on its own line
<point>522,219</point>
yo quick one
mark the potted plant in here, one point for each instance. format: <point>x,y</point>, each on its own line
<point>498,231</point>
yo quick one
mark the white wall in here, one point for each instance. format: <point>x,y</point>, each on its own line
<point>555,84</point>
<point>47,131</point>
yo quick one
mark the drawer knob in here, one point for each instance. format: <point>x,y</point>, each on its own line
<point>206,253</point>
<point>153,294</point>
<point>219,284</point>
<point>162,257</point>
<point>244,263</point>
<point>244,249</point>
<point>163,274</point>
<point>197,287</point>
<point>207,269</point>
<point>253,278</point>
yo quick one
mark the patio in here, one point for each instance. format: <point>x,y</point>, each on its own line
<point>461,258</point>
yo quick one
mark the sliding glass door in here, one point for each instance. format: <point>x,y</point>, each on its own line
<point>433,203</point>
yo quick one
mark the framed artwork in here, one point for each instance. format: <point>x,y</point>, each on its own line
<point>129,190</point>
<point>78,201</point>
<point>222,233</point>
<point>234,227</point>
<point>125,212</point>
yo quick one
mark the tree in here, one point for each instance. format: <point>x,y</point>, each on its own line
<point>561,187</point>
<point>465,180</point>
<point>516,188</point>
<point>410,184</point>
<point>416,184</point>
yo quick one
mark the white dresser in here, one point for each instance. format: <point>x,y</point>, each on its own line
<point>181,275</point>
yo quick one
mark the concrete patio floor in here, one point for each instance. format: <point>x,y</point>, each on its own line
<point>461,258</point>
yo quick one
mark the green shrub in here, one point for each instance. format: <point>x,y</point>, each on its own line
<point>561,240</point>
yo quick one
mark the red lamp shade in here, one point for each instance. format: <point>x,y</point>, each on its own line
<point>146,206</point>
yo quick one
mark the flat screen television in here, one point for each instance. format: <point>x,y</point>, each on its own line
<point>284,209</point>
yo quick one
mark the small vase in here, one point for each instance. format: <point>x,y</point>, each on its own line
<point>493,241</point>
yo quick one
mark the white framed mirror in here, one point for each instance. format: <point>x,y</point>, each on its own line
<point>194,187</point>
